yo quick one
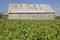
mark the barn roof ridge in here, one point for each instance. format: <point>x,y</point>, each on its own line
<point>28,3</point>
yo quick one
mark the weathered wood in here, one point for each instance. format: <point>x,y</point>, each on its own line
<point>31,16</point>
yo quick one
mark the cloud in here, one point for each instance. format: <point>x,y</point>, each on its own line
<point>57,11</point>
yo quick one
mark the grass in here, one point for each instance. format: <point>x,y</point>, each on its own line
<point>29,29</point>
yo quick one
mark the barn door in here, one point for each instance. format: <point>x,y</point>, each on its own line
<point>34,16</point>
<point>24,16</point>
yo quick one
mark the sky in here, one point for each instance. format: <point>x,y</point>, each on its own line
<point>55,4</point>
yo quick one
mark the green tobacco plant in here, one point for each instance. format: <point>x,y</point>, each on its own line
<point>29,29</point>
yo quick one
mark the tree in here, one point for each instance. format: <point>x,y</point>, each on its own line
<point>1,14</point>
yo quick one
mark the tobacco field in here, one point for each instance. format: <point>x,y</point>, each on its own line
<point>29,29</point>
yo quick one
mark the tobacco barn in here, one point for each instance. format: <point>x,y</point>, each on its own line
<point>30,11</point>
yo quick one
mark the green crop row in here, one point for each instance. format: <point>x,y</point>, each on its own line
<point>29,29</point>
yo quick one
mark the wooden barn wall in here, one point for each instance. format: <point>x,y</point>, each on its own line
<point>31,16</point>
